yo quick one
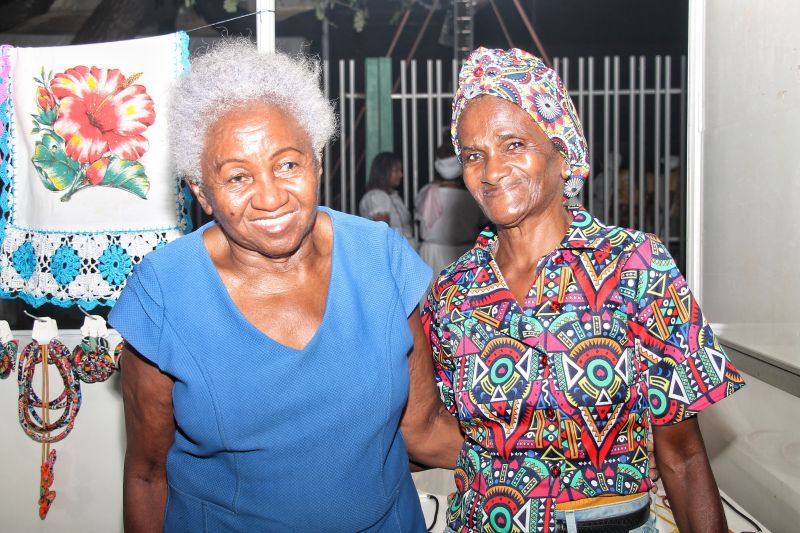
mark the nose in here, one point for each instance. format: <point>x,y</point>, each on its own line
<point>495,169</point>
<point>268,195</point>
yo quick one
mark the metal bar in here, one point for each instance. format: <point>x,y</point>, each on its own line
<point>581,101</point>
<point>429,81</point>
<point>657,151</point>
<point>615,146</point>
<point>565,74</point>
<point>326,178</point>
<point>667,154</point>
<point>631,138</point>
<point>342,139</point>
<point>524,16</point>
<point>607,170</point>
<point>265,25</point>
<point>414,126</point>
<point>397,32</point>
<point>556,65</point>
<point>590,130</point>
<point>502,24</point>
<point>642,139</point>
<point>353,207</point>
<point>439,119</point>
<point>404,125</point>
<point>626,92</point>
<point>682,188</point>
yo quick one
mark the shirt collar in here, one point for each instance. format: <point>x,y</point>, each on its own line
<point>585,232</point>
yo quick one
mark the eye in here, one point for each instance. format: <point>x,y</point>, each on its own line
<point>288,166</point>
<point>513,145</point>
<point>471,157</point>
<point>237,177</point>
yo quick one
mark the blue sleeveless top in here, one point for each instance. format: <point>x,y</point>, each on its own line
<point>271,438</point>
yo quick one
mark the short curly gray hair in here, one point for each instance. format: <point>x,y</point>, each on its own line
<point>233,73</point>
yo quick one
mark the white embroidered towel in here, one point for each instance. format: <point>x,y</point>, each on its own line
<point>87,188</point>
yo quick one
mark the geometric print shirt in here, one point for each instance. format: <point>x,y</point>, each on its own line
<point>554,394</point>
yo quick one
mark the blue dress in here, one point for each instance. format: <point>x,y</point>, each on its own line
<point>271,438</point>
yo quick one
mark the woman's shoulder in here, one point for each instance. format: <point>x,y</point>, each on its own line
<point>375,194</point>
<point>175,262</point>
<point>638,247</point>
<point>356,229</point>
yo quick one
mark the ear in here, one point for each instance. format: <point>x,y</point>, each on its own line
<point>566,170</point>
<point>200,195</point>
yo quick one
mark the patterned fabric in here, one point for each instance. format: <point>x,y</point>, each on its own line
<point>86,186</point>
<point>523,79</point>
<point>555,394</point>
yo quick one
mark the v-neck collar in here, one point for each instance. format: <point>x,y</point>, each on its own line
<point>233,309</point>
<point>584,233</point>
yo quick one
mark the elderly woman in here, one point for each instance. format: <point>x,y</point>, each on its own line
<point>558,339</point>
<point>267,359</point>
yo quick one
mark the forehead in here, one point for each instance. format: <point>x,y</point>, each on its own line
<point>256,125</point>
<point>491,116</point>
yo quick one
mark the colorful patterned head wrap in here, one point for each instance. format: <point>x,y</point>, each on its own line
<point>523,79</point>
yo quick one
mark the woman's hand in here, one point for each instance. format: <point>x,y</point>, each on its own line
<point>150,430</point>
<point>652,472</point>
<point>686,473</point>
<point>431,433</point>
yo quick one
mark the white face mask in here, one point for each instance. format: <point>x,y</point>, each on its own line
<point>448,168</point>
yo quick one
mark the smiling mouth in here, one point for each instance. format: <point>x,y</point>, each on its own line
<point>274,224</point>
<point>499,190</point>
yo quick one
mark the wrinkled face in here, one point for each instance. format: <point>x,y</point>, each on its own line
<point>260,177</point>
<point>511,167</point>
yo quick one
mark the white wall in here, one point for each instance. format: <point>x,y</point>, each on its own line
<point>745,135</point>
<point>751,174</point>
<point>88,470</point>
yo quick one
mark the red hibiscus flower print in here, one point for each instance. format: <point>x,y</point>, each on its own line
<point>101,110</point>
<point>90,124</point>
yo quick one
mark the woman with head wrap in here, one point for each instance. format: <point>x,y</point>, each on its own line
<point>266,368</point>
<point>558,339</point>
<point>447,213</point>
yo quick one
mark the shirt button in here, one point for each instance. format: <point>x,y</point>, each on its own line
<point>555,471</point>
<point>543,359</point>
<point>558,260</point>
<point>550,413</point>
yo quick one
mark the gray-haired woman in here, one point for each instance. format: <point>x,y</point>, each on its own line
<point>267,359</point>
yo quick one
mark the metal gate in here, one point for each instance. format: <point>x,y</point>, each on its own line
<point>633,112</point>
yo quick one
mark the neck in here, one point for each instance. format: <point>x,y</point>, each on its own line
<point>523,245</point>
<point>255,265</point>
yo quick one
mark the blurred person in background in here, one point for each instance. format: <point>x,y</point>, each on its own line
<point>382,202</point>
<point>447,214</point>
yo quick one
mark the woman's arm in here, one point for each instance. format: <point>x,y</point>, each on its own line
<point>150,429</point>
<point>686,473</point>
<point>431,433</point>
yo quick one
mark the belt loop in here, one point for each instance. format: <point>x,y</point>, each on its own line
<point>569,518</point>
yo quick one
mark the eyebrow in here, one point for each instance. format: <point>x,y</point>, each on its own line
<point>220,164</point>
<point>500,137</point>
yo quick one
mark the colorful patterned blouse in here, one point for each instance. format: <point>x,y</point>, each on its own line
<point>555,395</point>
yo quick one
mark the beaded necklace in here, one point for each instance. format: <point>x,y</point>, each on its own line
<point>39,428</point>
<point>92,361</point>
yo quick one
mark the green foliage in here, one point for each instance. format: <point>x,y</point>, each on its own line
<point>359,9</point>
<point>127,175</point>
<point>56,169</point>
<point>228,5</point>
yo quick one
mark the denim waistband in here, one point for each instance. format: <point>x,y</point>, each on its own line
<point>607,510</point>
